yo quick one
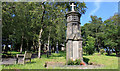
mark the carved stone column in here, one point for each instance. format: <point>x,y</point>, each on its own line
<point>73,38</point>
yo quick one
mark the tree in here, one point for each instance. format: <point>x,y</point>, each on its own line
<point>106,33</point>
<point>36,23</point>
<point>90,45</point>
<point>16,19</point>
<point>111,35</point>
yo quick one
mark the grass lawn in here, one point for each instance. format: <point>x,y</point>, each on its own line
<point>110,62</point>
<point>12,53</point>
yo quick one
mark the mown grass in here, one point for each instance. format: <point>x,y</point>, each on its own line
<point>12,53</point>
<point>37,63</point>
<point>110,62</point>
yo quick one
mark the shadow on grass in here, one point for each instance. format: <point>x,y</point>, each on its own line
<point>86,60</point>
<point>60,54</point>
<point>30,62</point>
<point>111,55</point>
<point>114,55</point>
<point>63,54</point>
<point>85,55</point>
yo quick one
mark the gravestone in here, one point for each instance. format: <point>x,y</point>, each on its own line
<point>57,48</point>
<point>62,47</point>
<point>73,38</point>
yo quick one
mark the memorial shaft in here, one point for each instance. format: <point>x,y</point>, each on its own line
<point>73,38</point>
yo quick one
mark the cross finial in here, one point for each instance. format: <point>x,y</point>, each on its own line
<point>73,6</point>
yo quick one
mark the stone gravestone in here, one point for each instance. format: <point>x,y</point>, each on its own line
<point>57,48</point>
<point>62,47</point>
<point>53,50</point>
<point>73,38</point>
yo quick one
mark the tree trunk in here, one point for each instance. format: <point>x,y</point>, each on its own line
<point>33,46</point>
<point>21,44</point>
<point>108,51</point>
<point>39,42</point>
<point>40,33</point>
<point>98,48</point>
<point>48,44</point>
<point>27,46</point>
<point>116,51</point>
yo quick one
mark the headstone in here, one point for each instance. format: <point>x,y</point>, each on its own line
<point>53,49</point>
<point>57,48</point>
<point>73,38</point>
<point>62,47</point>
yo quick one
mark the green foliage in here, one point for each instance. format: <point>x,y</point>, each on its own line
<point>90,45</point>
<point>70,62</point>
<point>84,49</point>
<point>106,33</point>
<point>30,17</point>
<point>102,51</point>
<point>86,60</point>
<point>76,62</point>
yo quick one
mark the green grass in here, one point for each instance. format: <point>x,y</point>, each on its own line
<point>110,62</point>
<point>38,63</point>
<point>13,53</point>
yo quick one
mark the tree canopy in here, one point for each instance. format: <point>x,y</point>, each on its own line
<point>105,33</point>
<point>32,24</point>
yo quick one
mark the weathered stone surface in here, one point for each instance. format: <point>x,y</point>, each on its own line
<point>62,65</point>
<point>54,64</point>
<point>73,38</point>
<point>83,67</point>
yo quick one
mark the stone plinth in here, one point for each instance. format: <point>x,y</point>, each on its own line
<point>73,38</point>
<point>54,64</point>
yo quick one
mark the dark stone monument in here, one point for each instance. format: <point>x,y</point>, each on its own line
<point>50,50</point>
<point>73,38</point>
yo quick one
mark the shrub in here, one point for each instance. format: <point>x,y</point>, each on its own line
<point>70,62</point>
<point>102,51</point>
<point>76,62</point>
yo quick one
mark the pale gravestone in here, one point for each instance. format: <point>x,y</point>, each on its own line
<point>73,38</point>
<point>57,48</point>
<point>62,47</point>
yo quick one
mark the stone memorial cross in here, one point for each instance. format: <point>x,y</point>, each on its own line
<point>73,37</point>
<point>73,6</point>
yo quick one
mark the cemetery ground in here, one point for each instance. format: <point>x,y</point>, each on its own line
<point>108,62</point>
